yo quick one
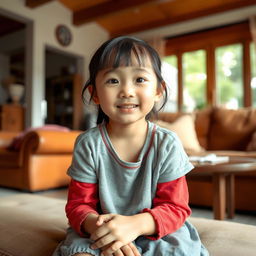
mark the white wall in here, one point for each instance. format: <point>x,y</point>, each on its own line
<point>42,22</point>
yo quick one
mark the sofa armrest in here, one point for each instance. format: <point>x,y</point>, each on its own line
<point>6,138</point>
<point>49,142</point>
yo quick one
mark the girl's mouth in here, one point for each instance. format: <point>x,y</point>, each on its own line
<point>127,106</point>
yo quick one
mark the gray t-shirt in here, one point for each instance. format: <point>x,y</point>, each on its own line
<point>128,187</point>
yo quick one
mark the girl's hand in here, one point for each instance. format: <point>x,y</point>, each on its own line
<point>116,231</point>
<point>127,250</point>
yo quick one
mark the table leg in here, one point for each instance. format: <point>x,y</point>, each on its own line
<point>230,196</point>
<point>219,196</point>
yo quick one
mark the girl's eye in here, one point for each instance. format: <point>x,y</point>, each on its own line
<point>140,80</point>
<point>112,81</point>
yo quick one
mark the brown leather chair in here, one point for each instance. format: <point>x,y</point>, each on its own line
<point>40,162</point>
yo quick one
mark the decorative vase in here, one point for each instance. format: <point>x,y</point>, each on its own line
<point>16,92</point>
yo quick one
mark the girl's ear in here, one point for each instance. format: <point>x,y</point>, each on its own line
<point>159,91</point>
<point>93,93</point>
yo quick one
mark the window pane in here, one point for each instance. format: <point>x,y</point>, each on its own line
<point>229,76</point>
<point>170,75</point>
<point>253,72</point>
<point>194,80</point>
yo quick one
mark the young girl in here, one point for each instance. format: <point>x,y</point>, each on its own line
<point>128,194</point>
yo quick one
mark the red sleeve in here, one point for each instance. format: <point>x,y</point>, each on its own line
<point>82,200</point>
<point>170,207</point>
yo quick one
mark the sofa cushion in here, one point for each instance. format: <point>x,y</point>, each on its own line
<point>17,141</point>
<point>252,144</point>
<point>202,125</point>
<point>202,122</point>
<point>34,225</point>
<point>224,238</point>
<point>184,127</point>
<point>31,225</point>
<point>231,129</point>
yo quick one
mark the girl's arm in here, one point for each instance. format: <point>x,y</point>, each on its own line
<point>170,207</point>
<point>81,210</point>
<point>82,204</point>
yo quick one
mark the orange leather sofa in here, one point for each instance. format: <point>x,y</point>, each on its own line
<point>223,132</point>
<point>41,161</point>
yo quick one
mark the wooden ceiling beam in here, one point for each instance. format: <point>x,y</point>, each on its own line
<point>180,18</point>
<point>36,3</point>
<point>98,11</point>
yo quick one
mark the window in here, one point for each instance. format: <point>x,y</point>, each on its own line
<point>229,77</point>
<point>194,77</point>
<point>214,67</point>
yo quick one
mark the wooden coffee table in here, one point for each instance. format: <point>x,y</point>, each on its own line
<point>222,177</point>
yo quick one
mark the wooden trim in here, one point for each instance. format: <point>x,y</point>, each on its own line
<point>186,15</point>
<point>209,41</point>
<point>211,77</point>
<point>98,11</point>
<point>247,74</point>
<point>36,3</point>
<point>180,82</point>
<point>215,37</point>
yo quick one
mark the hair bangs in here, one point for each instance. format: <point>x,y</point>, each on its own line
<point>125,53</point>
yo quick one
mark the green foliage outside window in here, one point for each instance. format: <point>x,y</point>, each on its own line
<point>172,60</point>
<point>253,72</point>
<point>229,76</point>
<point>194,78</point>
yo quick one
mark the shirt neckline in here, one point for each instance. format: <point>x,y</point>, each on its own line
<point>145,149</point>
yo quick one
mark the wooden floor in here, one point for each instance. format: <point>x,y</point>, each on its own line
<point>241,217</point>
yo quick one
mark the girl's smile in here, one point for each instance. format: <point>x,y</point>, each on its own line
<point>127,107</point>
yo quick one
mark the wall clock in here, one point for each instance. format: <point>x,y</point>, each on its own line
<point>63,35</point>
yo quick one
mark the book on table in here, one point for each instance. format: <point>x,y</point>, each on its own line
<point>210,158</point>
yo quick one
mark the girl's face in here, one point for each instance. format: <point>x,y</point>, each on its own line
<point>127,94</point>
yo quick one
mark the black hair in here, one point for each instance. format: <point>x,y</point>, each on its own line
<point>116,52</point>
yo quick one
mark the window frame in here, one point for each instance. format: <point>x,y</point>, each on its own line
<point>209,40</point>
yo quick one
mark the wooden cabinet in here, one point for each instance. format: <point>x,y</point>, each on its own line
<point>12,117</point>
<point>64,104</point>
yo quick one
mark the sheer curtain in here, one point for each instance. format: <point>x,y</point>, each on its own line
<point>169,73</point>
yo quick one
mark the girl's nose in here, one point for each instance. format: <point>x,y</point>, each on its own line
<point>127,91</point>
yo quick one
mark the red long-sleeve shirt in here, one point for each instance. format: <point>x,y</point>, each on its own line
<point>170,205</point>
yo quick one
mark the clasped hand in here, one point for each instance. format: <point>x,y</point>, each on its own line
<point>115,234</point>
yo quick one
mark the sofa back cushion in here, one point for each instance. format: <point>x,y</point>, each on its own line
<point>252,144</point>
<point>184,127</point>
<point>202,123</point>
<point>231,129</point>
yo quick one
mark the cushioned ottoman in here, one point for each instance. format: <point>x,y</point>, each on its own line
<point>33,225</point>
